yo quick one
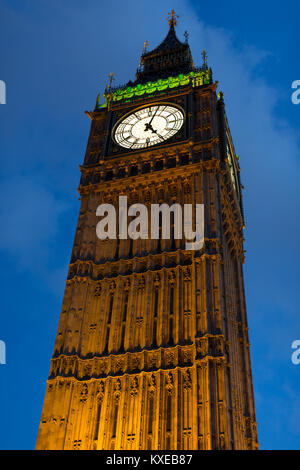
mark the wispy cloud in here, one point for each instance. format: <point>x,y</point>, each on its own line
<point>52,80</point>
<point>29,220</point>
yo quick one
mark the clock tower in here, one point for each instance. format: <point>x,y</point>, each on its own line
<point>152,347</point>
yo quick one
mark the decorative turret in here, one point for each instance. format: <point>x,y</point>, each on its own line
<point>170,58</point>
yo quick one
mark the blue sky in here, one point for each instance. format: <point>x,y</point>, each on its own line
<point>55,57</point>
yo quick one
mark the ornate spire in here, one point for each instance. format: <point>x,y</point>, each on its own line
<point>204,56</point>
<point>170,58</point>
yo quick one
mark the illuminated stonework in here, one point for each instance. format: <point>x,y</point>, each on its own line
<point>152,348</point>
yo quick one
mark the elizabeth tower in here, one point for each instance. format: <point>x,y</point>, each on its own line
<point>152,348</point>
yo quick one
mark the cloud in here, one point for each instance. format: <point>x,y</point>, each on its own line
<point>73,63</point>
<point>72,44</point>
<point>52,80</point>
<point>269,157</point>
<point>29,218</point>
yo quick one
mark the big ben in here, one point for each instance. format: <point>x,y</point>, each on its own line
<point>152,348</point>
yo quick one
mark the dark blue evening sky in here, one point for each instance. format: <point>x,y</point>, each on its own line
<point>55,58</point>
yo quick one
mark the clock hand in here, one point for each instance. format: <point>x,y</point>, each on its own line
<point>153,115</point>
<point>155,132</point>
<point>148,125</point>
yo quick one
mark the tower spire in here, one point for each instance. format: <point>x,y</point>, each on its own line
<point>170,58</point>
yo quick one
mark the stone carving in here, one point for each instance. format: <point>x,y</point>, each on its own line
<point>187,381</point>
<point>172,278</point>
<point>170,359</point>
<point>156,280</point>
<point>187,274</point>
<point>117,390</point>
<point>141,283</point>
<point>83,393</point>
<point>152,383</point>
<point>134,387</point>
<point>112,286</point>
<point>127,285</point>
<point>169,382</point>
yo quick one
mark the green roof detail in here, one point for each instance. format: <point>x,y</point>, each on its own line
<point>126,94</point>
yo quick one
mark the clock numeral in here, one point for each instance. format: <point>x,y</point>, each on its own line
<point>134,141</point>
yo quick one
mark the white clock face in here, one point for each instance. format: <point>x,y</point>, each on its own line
<point>231,168</point>
<point>148,126</point>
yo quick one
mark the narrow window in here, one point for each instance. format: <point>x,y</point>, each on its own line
<point>125,307</point>
<point>110,308</point>
<point>115,421</point>
<point>171,331</point>
<point>171,315</point>
<point>107,338</point>
<point>150,417</point>
<point>169,402</point>
<point>97,420</point>
<point>155,315</point>
<point>111,301</point>
<point>155,303</point>
<point>171,300</point>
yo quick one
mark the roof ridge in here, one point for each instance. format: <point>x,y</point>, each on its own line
<point>171,40</point>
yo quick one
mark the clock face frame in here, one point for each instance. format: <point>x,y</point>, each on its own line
<point>149,125</point>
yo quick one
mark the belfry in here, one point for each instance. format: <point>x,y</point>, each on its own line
<point>152,348</point>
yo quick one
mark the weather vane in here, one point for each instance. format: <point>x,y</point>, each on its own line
<point>204,55</point>
<point>172,18</point>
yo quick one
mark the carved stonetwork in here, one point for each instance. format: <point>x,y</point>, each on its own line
<point>152,348</point>
<point>84,369</point>
<point>210,345</point>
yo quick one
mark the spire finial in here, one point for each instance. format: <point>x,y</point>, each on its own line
<point>172,18</point>
<point>186,35</point>
<point>204,55</point>
<point>146,44</point>
<point>110,80</point>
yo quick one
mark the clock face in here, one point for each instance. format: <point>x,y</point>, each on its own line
<point>231,168</point>
<point>148,126</point>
